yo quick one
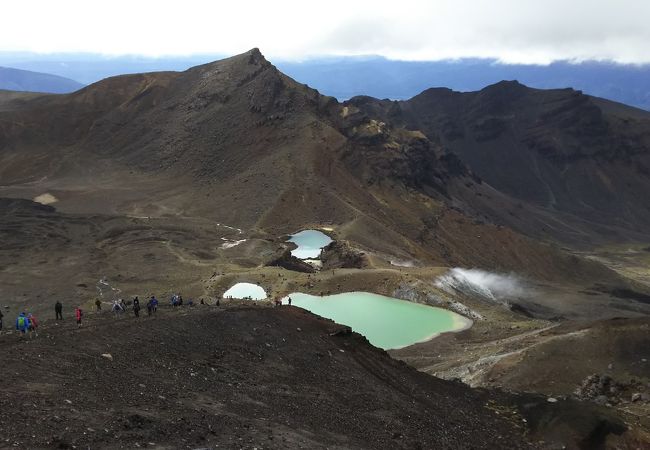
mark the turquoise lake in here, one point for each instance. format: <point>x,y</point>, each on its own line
<point>245,290</point>
<point>386,322</point>
<point>310,243</point>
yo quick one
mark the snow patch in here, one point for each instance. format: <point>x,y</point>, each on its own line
<point>231,244</point>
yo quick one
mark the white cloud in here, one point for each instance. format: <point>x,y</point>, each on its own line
<point>532,31</point>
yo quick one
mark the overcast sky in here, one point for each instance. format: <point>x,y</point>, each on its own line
<point>514,31</point>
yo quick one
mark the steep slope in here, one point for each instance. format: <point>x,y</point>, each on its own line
<point>255,377</point>
<point>240,375</point>
<point>25,80</point>
<point>573,162</point>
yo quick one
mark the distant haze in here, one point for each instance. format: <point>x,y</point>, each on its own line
<point>345,77</point>
<point>513,31</point>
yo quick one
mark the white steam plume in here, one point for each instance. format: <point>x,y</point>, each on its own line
<point>476,282</point>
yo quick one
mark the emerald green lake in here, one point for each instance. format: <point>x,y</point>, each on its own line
<point>245,290</point>
<point>386,322</point>
<point>310,243</point>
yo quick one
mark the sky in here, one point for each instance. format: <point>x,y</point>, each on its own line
<point>511,31</point>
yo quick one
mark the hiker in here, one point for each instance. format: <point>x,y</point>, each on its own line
<point>98,304</point>
<point>154,304</point>
<point>136,307</point>
<point>116,308</point>
<point>1,316</point>
<point>22,323</point>
<point>218,301</point>
<point>149,307</point>
<point>58,310</point>
<point>78,314</point>
<point>289,300</point>
<point>122,305</point>
<point>33,325</point>
<point>180,300</point>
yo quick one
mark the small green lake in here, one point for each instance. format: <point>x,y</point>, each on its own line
<point>310,243</point>
<point>386,322</point>
<point>245,290</point>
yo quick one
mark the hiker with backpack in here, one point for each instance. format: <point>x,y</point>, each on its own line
<point>154,304</point>
<point>78,314</point>
<point>58,310</point>
<point>22,323</point>
<point>150,306</point>
<point>33,325</point>
<point>136,307</point>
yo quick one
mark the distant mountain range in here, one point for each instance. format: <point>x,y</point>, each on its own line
<point>381,78</point>
<point>346,77</point>
<point>24,80</point>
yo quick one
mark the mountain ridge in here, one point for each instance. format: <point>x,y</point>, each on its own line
<point>25,80</point>
<point>536,146</point>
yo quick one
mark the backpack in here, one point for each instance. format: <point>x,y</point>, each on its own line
<point>21,322</point>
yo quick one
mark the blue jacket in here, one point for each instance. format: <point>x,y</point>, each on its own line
<point>25,322</point>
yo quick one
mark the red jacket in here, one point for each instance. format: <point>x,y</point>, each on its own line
<point>78,313</point>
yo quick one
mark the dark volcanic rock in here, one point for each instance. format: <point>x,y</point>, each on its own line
<point>568,153</point>
<point>339,254</point>
<point>290,262</point>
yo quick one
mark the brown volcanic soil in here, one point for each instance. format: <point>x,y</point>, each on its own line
<point>241,377</point>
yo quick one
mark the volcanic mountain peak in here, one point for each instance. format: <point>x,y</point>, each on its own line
<point>238,68</point>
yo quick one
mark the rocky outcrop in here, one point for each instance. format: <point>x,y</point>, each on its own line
<point>604,390</point>
<point>290,262</point>
<point>341,255</point>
